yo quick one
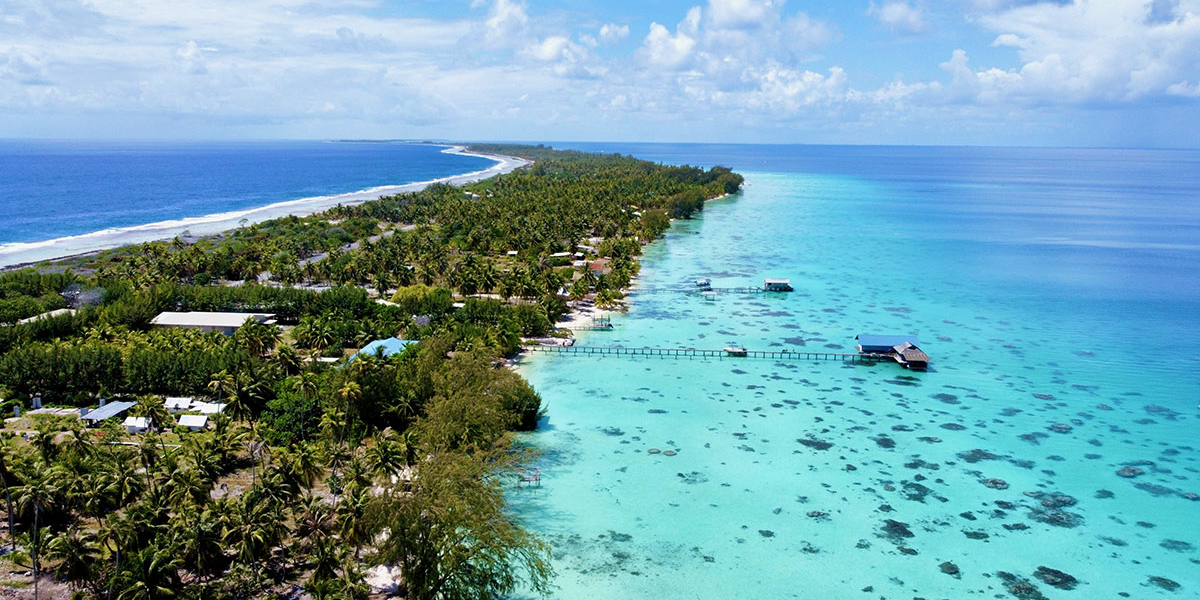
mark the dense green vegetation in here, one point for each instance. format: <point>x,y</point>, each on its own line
<point>318,470</point>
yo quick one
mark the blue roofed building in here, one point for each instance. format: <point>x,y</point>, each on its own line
<point>387,347</point>
<point>883,343</point>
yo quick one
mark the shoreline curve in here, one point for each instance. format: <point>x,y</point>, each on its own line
<point>17,255</point>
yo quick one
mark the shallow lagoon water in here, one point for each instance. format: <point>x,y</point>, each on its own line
<point>1055,365</point>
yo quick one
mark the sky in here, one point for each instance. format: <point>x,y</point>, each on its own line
<point>1120,73</point>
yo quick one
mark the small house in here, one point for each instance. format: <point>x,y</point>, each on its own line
<point>194,422</point>
<point>911,356</point>
<point>600,266</point>
<point>777,285</point>
<point>209,408</point>
<point>136,424</point>
<point>178,405</point>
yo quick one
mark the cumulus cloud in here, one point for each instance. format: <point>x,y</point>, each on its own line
<point>1087,52</point>
<point>611,33</point>
<point>899,16</point>
<point>672,50</point>
<point>725,38</point>
<point>506,23</point>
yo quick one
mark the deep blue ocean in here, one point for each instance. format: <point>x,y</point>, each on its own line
<point>1058,294</point>
<point>54,189</point>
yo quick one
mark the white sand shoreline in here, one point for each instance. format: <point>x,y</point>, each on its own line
<point>26,253</point>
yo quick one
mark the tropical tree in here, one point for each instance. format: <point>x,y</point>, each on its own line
<point>154,409</point>
<point>452,536</point>
<point>77,553</point>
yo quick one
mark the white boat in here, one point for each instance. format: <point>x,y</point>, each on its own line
<point>736,351</point>
<point>703,283</point>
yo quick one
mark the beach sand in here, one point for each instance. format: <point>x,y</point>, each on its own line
<point>17,255</point>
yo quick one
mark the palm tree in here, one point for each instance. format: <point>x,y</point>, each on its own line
<point>288,360</point>
<point>77,553</point>
<point>349,393</point>
<point>352,523</point>
<point>307,464</point>
<point>152,574</point>
<point>314,519</point>
<point>154,409</point>
<point>203,549</point>
<point>254,528</point>
<point>186,487</point>
<point>37,495</point>
<point>387,455</point>
<point>5,477</point>
<point>221,384</point>
<point>327,555</point>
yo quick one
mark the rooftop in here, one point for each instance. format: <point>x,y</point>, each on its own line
<point>388,346</point>
<point>193,420</point>
<point>111,409</point>
<point>47,315</point>
<point>889,341</point>
<point>208,319</point>
<point>139,422</point>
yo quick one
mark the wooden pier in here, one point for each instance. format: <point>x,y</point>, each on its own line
<point>682,290</point>
<point>700,353</point>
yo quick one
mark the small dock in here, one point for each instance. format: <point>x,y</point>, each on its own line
<point>597,324</point>
<point>683,353</point>
<point>530,478</point>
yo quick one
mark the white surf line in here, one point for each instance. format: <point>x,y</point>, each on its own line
<point>24,253</point>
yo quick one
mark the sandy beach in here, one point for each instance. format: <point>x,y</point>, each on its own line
<point>26,253</point>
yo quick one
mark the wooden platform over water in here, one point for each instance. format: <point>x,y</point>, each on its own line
<point>682,290</point>
<point>700,353</point>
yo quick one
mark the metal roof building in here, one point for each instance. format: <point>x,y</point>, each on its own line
<point>194,422</point>
<point>223,322</point>
<point>111,409</point>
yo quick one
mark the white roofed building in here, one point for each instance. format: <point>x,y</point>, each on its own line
<point>194,422</point>
<point>223,322</point>
<point>178,405</point>
<point>136,424</point>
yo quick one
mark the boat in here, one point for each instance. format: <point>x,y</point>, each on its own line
<point>704,283</point>
<point>734,351</point>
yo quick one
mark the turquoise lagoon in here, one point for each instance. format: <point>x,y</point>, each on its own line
<point>1056,292</point>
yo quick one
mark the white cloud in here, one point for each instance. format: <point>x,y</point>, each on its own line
<point>899,16</point>
<point>1184,89</point>
<point>506,23</point>
<point>662,48</point>
<point>23,65</point>
<point>611,33</point>
<point>290,67</point>
<point>1086,52</point>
